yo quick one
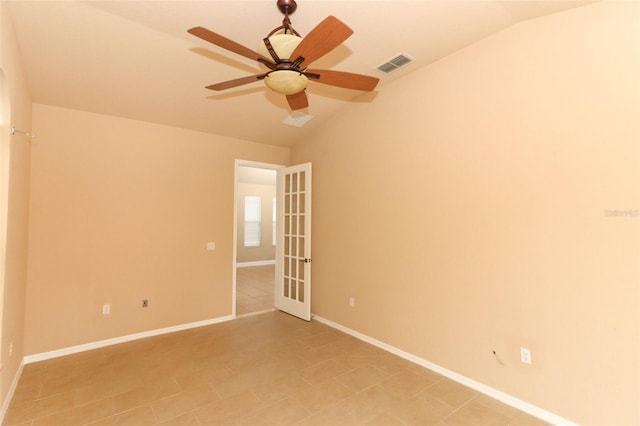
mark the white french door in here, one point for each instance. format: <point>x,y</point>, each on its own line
<point>293,275</point>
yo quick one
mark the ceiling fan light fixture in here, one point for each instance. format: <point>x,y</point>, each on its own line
<point>286,55</point>
<point>286,82</point>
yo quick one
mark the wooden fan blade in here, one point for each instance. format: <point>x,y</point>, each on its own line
<point>237,82</point>
<point>298,100</point>
<point>225,43</point>
<point>346,80</point>
<point>325,37</point>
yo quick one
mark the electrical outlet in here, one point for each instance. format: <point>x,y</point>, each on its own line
<point>10,349</point>
<point>525,355</point>
<point>145,303</point>
<point>352,301</point>
<point>106,309</point>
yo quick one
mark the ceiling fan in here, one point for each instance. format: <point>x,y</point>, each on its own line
<point>287,56</point>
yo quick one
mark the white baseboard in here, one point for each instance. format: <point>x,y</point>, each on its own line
<point>255,263</point>
<point>489,391</point>
<point>12,390</point>
<point>108,342</point>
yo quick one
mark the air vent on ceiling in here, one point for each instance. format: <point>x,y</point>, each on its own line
<point>394,63</point>
<point>297,119</point>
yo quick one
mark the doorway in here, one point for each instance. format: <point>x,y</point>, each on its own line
<point>254,238</point>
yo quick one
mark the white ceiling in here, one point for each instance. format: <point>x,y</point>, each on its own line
<point>135,59</point>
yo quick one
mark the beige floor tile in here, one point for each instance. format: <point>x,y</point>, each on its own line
<point>269,370</point>
<point>103,388</point>
<point>295,363</point>
<point>472,413</point>
<point>204,377</point>
<point>26,393</point>
<point>390,363</point>
<point>145,394</point>
<point>323,371</point>
<point>272,391</point>
<point>497,406</point>
<point>407,384</point>
<point>182,403</point>
<point>451,392</point>
<point>422,410</point>
<point>170,366</point>
<point>140,416</point>
<point>34,374</point>
<point>329,416</point>
<point>318,397</point>
<point>284,412</point>
<point>362,377</point>
<point>314,355</point>
<point>366,405</point>
<point>78,415</point>
<point>228,410</point>
<point>66,383</point>
<point>240,382</point>
<point>321,339</point>
<point>385,419</point>
<point>21,412</point>
<point>188,419</point>
<point>415,368</point>
<point>261,369</point>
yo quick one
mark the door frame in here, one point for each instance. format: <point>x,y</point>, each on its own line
<point>257,165</point>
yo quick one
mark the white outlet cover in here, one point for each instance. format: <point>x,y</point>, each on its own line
<point>211,246</point>
<point>525,355</point>
<point>106,309</point>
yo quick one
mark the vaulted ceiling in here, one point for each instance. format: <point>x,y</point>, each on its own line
<point>135,59</point>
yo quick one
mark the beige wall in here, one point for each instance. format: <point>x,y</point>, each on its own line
<point>266,251</point>
<point>464,209</point>
<point>121,211</point>
<point>14,178</point>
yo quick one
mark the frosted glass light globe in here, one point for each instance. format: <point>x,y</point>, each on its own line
<point>286,82</point>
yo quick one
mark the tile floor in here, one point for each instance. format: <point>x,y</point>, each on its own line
<point>267,369</point>
<point>254,289</point>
